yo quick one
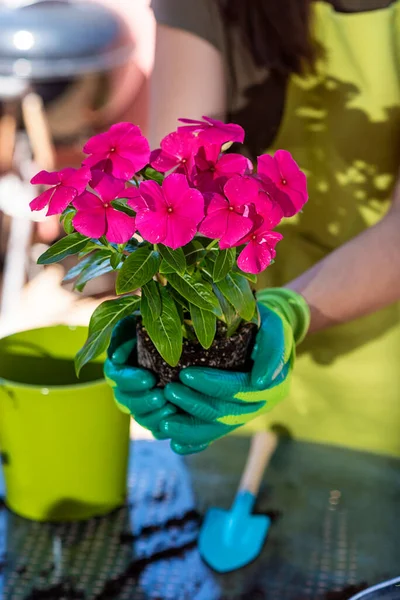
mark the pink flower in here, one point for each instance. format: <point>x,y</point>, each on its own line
<point>176,152</point>
<point>213,169</point>
<point>267,208</point>
<point>96,217</point>
<point>211,131</point>
<point>121,151</point>
<point>66,185</point>
<point>228,217</point>
<point>169,214</point>
<point>260,248</point>
<point>287,177</point>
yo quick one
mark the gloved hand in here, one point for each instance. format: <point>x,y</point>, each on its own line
<point>215,402</point>
<point>133,387</point>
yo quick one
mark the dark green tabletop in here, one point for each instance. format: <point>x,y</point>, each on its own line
<point>336,529</point>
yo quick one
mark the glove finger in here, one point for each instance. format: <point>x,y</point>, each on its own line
<point>140,404</point>
<point>183,450</point>
<point>187,430</point>
<point>271,396</point>
<point>214,382</point>
<point>128,379</point>
<point>124,331</point>
<point>122,353</point>
<point>272,350</point>
<point>280,378</point>
<point>191,402</point>
<point>206,408</point>
<point>153,419</point>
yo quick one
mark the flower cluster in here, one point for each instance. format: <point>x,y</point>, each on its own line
<point>189,186</point>
<point>189,225</point>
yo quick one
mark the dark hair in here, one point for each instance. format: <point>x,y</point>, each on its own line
<point>276,32</point>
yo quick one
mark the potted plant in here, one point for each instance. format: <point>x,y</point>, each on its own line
<point>186,228</point>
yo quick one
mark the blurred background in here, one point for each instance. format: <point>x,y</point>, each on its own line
<point>68,70</point>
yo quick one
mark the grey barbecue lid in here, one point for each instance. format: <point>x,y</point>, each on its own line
<point>59,39</point>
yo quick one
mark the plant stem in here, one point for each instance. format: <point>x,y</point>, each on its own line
<point>161,279</point>
<point>107,244</point>
<point>211,245</point>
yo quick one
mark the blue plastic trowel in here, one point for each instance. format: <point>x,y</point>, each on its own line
<point>230,539</point>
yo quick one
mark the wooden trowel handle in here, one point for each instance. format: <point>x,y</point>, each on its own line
<point>262,447</point>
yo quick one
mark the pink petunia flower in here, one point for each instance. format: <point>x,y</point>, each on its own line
<point>66,185</point>
<point>289,181</point>
<point>121,151</point>
<point>96,216</point>
<point>259,251</point>
<point>176,152</point>
<point>213,169</point>
<point>211,131</point>
<point>169,214</point>
<point>228,216</point>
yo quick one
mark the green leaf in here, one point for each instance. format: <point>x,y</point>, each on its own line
<point>205,325</point>
<point>206,270</point>
<point>250,276</point>
<point>139,268</point>
<point>103,321</point>
<point>233,326</point>
<point>71,244</point>
<point>194,251</point>
<point>166,331</point>
<point>115,259</point>
<point>150,173</point>
<point>179,300</point>
<point>123,207</point>
<point>197,293</point>
<point>223,264</point>
<point>188,331</point>
<point>212,255</point>
<point>237,290</point>
<point>96,269</point>
<point>152,292</point>
<point>93,246</point>
<point>165,268</point>
<point>174,258</point>
<point>76,270</point>
<point>67,223</point>
<point>66,211</point>
<point>256,318</point>
<point>180,303</point>
<point>229,314</point>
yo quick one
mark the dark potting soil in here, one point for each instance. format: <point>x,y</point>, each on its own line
<point>229,354</point>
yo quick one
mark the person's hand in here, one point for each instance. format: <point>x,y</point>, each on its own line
<point>213,402</point>
<point>133,387</point>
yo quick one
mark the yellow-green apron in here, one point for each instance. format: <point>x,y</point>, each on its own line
<point>343,127</point>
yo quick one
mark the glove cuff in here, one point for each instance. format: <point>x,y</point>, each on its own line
<point>291,306</point>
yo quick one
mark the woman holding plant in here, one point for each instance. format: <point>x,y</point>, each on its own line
<point>191,226</point>
<point>320,79</point>
<point>341,123</point>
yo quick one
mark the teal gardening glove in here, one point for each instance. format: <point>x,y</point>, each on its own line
<point>212,402</point>
<point>134,388</point>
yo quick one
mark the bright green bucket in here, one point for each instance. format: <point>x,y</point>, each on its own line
<point>64,442</point>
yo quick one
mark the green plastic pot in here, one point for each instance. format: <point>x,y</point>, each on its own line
<point>64,442</point>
